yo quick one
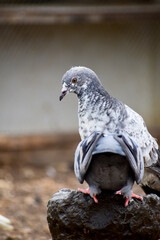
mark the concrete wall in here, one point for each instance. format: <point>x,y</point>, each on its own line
<point>125,56</point>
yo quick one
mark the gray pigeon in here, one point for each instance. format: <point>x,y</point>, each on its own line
<point>98,111</point>
<point>112,162</point>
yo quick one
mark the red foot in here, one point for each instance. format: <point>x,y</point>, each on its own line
<point>87,191</point>
<point>133,195</point>
<point>119,192</point>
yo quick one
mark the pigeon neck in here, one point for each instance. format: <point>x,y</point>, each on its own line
<point>92,92</point>
<point>93,102</point>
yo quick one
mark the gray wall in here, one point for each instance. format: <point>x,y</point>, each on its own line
<point>125,56</point>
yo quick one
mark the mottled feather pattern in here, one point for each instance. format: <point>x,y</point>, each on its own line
<point>99,112</point>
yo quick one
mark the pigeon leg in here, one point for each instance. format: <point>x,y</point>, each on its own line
<point>133,195</point>
<point>87,191</point>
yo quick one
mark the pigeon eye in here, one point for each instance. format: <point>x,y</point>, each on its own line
<point>74,80</point>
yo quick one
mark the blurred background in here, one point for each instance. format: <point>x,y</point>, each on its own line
<point>39,41</point>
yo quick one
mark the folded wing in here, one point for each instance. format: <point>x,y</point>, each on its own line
<point>98,143</point>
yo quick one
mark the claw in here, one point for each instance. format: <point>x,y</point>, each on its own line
<point>126,202</point>
<point>87,191</point>
<point>136,196</point>
<point>95,199</point>
<point>119,193</point>
<point>133,195</point>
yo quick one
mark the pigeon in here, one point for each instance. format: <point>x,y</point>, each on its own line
<point>98,111</point>
<point>109,162</point>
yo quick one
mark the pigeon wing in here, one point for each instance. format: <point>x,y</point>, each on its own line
<point>133,154</point>
<point>83,155</point>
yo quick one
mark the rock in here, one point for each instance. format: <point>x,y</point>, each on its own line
<point>73,215</point>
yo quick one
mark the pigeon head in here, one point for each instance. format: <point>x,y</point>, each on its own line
<point>76,80</point>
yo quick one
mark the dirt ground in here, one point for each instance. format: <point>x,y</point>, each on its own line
<point>27,181</point>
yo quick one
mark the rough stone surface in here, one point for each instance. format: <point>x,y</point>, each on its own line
<point>72,215</point>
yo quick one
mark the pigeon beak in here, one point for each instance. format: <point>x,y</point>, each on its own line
<point>62,95</point>
<point>64,91</point>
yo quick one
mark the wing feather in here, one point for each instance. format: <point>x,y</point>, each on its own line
<point>119,144</point>
<point>133,154</point>
<point>83,155</point>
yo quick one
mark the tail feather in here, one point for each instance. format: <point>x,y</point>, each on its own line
<point>156,167</point>
<point>151,181</point>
